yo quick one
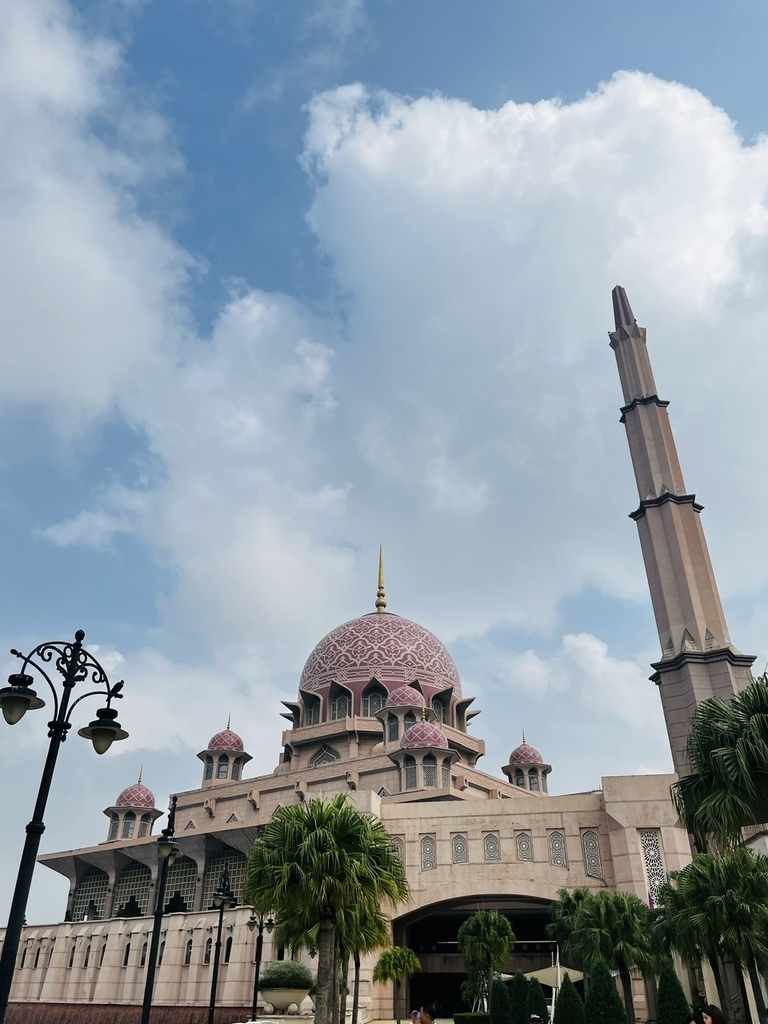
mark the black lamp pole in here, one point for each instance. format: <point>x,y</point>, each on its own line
<point>260,923</point>
<point>75,665</point>
<point>222,899</point>
<point>167,852</point>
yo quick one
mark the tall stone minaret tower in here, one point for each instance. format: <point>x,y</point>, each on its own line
<point>698,659</point>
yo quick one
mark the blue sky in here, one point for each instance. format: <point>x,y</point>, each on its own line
<point>283,281</point>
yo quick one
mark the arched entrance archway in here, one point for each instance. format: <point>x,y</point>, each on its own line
<point>431,932</point>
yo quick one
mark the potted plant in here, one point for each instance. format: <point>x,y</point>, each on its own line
<point>284,982</point>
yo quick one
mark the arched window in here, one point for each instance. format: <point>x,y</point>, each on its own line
<point>341,703</point>
<point>144,825</point>
<point>143,960</point>
<point>87,955</point>
<point>311,710</point>
<point>520,778</point>
<point>131,896</point>
<point>438,709</point>
<point>222,768</point>
<point>114,824</point>
<point>533,778</point>
<point>446,773</point>
<point>393,729</point>
<point>429,771</point>
<point>129,823</point>
<point>50,951</point>
<point>126,954</point>
<point>72,956</point>
<point>160,953</point>
<point>23,958</point>
<point>228,950</point>
<point>188,953</point>
<point>37,957</point>
<point>409,763</point>
<point>236,770</point>
<point>102,954</point>
<point>181,886</point>
<point>207,952</point>
<point>208,767</point>
<point>374,699</point>
<point>409,719</point>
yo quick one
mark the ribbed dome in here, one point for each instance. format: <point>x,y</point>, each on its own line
<point>380,646</point>
<point>525,754</point>
<point>406,697</point>
<point>225,740</point>
<point>423,734</point>
<point>136,795</point>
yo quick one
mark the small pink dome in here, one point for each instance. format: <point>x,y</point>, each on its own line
<point>525,754</point>
<point>423,734</point>
<point>136,795</point>
<point>405,697</point>
<point>225,740</point>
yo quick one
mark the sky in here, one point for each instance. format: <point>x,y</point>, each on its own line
<point>283,281</point>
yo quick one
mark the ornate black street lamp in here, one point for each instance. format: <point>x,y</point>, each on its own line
<point>258,922</point>
<point>75,665</point>
<point>222,899</point>
<point>167,851</point>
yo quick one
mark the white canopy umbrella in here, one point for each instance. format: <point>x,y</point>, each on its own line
<point>553,976</point>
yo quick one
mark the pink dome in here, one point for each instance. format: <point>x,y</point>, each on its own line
<point>525,754</point>
<point>423,734</point>
<point>136,795</point>
<point>380,646</point>
<point>405,697</point>
<point>225,740</point>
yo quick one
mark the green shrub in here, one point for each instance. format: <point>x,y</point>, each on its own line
<point>671,1006</point>
<point>286,974</point>
<point>569,1007</point>
<point>472,1018</point>
<point>519,997</point>
<point>603,1005</point>
<point>536,1002</point>
<point>501,1004</point>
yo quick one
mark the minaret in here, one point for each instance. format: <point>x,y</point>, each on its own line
<point>698,659</point>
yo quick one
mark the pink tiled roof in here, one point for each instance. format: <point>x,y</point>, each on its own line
<point>225,740</point>
<point>525,754</point>
<point>136,795</point>
<point>423,734</point>
<point>405,697</point>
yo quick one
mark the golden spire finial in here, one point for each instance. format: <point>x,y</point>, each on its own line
<point>141,772</point>
<point>229,719</point>
<point>381,601</point>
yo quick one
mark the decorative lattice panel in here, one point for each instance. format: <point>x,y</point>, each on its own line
<point>653,862</point>
<point>90,896</point>
<point>491,846</point>
<point>429,770</point>
<point>428,853</point>
<point>524,844</point>
<point>558,856</point>
<point>181,885</point>
<point>234,861</point>
<point>399,844</point>
<point>459,854</point>
<point>590,845</point>
<point>132,891</point>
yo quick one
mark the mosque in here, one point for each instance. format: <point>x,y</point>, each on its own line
<point>380,715</point>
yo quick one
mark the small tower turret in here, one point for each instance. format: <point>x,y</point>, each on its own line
<point>133,813</point>
<point>224,758</point>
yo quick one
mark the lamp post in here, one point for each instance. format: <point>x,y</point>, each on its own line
<point>261,924</point>
<point>75,665</point>
<point>222,899</point>
<point>167,852</point>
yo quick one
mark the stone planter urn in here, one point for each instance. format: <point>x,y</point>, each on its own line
<point>282,998</point>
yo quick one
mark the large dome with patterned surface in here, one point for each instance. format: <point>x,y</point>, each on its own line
<point>226,740</point>
<point>525,754</point>
<point>136,795</point>
<point>424,734</point>
<point>381,646</point>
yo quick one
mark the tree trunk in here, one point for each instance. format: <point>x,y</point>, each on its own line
<point>396,1000</point>
<point>754,977</point>
<point>626,985</point>
<point>356,988</point>
<point>326,958</point>
<point>343,979</point>
<point>723,999</point>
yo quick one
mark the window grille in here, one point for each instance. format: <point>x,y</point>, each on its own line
<point>222,768</point>
<point>129,823</point>
<point>90,896</point>
<point>132,891</point>
<point>393,729</point>
<point>410,773</point>
<point>429,771</point>
<point>234,861</point>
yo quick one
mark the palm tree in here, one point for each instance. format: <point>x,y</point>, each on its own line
<point>728,753</point>
<point>718,908</point>
<point>314,860</point>
<point>486,940</point>
<point>393,965</point>
<point>611,926</point>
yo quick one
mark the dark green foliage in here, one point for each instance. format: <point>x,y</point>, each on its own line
<point>603,1005</point>
<point>501,1004</point>
<point>569,1008</point>
<point>472,1018</point>
<point>519,997</point>
<point>672,1006</point>
<point>286,974</point>
<point>536,1002</point>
